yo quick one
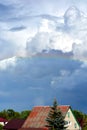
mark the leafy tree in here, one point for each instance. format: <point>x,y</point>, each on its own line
<point>55,119</point>
<point>10,112</point>
<point>16,115</point>
<point>4,114</point>
<point>84,126</point>
<point>24,114</point>
<point>81,118</point>
<point>78,114</point>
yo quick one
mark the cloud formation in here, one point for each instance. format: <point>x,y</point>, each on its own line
<point>18,28</point>
<point>39,75</point>
<point>66,34</point>
<point>42,52</point>
<point>46,32</point>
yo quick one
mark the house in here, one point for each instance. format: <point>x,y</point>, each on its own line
<point>14,124</point>
<point>3,121</point>
<point>37,118</point>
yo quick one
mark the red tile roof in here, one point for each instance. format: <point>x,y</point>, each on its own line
<point>37,118</point>
<point>14,124</point>
<point>64,109</point>
<point>2,119</point>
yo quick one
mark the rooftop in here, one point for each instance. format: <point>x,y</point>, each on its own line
<point>37,118</point>
<point>14,124</point>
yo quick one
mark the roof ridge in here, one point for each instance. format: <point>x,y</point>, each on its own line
<point>50,106</point>
<point>63,105</point>
<point>41,106</point>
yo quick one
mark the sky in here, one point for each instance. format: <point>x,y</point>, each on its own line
<point>43,53</point>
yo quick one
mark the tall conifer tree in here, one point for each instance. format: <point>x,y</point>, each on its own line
<point>55,119</point>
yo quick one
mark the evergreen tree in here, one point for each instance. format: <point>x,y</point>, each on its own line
<point>55,119</point>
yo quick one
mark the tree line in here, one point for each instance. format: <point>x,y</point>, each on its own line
<point>12,114</point>
<point>81,118</point>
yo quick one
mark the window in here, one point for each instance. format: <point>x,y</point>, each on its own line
<point>75,125</point>
<point>68,114</point>
<point>67,123</point>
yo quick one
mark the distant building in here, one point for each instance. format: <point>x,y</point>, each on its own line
<point>14,124</point>
<point>37,118</point>
<point>3,121</point>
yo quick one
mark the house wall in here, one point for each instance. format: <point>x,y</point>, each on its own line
<point>2,123</point>
<point>72,123</point>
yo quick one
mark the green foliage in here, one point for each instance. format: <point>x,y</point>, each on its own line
<point>11,114</point>
<point>16,115</point>
<point>4,114</point>
<point>78,114</point>
<point>24,114</point>
<point>1,127</point>
<point>55,119</point>
<point>81,118</point>
<point>84,127</point>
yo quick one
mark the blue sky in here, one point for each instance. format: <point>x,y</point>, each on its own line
<point>43,53</point>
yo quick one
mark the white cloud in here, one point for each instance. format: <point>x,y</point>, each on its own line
<point>69,80</point>
<point>47,26</point>
<point>48,38</point>
<point>72,16</point>
<point>80,51</point>
<point>63,79</point>
<point>66,33</point>
<point>67,36</point>
<point>7,63</point>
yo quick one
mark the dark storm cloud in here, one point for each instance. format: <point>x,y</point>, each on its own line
<point>20,28</point>
<point>34,76</point>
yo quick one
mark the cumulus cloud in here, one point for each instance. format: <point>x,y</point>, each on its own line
<point>47,41</point>
<point>66,35</point>
<point>7,63</point>
<point>46,32</point>
<point>7,49</point>
<point>72,16</point>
